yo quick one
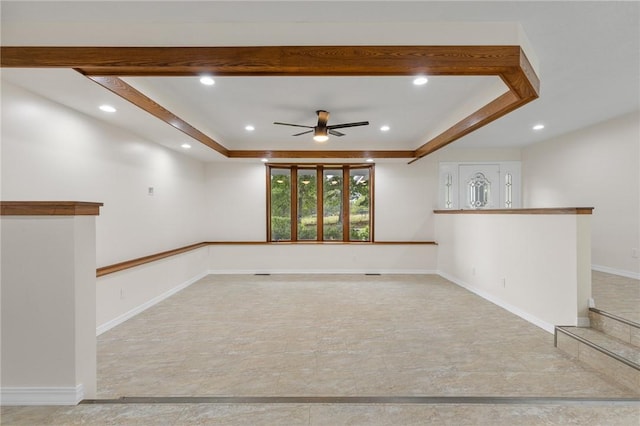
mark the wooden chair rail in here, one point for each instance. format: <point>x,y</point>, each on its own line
<point>128,264</point>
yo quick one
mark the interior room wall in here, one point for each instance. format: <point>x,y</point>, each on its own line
<point>51,152</point>
<point>405,196</point>
<point>534,265</point>
<point>599,167</point>
<point>468,155</point>
<point>235,201</point>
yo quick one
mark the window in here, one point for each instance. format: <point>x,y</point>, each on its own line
<point>320,202</point>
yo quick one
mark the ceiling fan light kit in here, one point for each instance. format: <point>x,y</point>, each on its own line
<point>320,135</point>
<point>321,131</point>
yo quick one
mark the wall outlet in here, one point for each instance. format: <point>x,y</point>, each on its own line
<point>634,253</point>
<point>504,283</point>
<point>121,294</point>
<point>151,191</point>
<point>473,271</point>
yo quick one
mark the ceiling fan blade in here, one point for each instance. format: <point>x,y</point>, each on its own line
<point>335,133</point>
<point>343,125</point>
<point>303,133</point>
<point>294,125</point>
<point>323,118</point>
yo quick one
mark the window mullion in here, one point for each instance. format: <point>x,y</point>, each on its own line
<point>320,202</point>
<point>371,201</point>
<point>294,203</point>
<point>345,204</point>
<point>268,168</point>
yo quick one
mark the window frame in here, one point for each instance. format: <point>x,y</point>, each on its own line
<point>346,183</point>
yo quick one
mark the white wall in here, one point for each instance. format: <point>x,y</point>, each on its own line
<point>596,167</point>
<point>50,152</point>
<point>124,294</point>
<point>536,266</point>
<point>48,310</point>
<point>405,196</point>
<point>236,202</point>
<point>468,155</point>
<point>323,258</point>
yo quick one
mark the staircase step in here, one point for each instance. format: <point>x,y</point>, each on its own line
<point>616,326</point>
<point>613,357</point>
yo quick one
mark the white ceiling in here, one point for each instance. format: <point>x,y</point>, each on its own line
<point>588,56</point>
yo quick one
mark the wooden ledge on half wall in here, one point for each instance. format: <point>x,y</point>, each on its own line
<point>49,208</point>
<point>545,210</point>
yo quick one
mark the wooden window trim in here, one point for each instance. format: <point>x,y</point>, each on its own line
<point>346,211</point>
<point>346,182</point>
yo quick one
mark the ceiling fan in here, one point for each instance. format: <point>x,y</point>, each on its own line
<point>321,131</point>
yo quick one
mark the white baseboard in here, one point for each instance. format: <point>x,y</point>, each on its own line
<point>41,396</point>
<point>135,311</point>
<point>621,272</point>
<point>514,310</point>
<point>322,272</point>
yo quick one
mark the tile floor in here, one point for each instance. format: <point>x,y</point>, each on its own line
<point>322,415</point>
<point>334,335</point>
<point>617,295</point>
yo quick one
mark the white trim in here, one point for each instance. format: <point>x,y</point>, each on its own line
<point>322,272</point>
<point>514,310</point>
<point>146,305</point>
<point>42,396</point>
<point>621,272</point>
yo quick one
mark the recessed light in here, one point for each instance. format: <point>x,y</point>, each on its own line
<point>419,81</point>
<point>538,127</point>
<point>265,160</point>
<point>385,128</point>
<point>369,160</point>
<point>107,108</point>
<point>185,146</point>
<point>207,81</point>
<point>249,128</point>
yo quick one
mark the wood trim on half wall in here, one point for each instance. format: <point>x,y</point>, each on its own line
<point>49,208</point>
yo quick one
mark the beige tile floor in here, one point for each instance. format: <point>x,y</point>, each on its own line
<point>334,335</point>
<point>616,294</point>
<point>321,415</point>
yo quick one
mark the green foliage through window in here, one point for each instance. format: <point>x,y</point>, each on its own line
<point>296,213</point>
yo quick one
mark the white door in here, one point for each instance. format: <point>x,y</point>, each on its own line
<point>479,186</point>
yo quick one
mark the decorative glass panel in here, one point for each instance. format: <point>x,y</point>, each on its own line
<point>508,194</point>
<point>280,204</point>
<point>359,204</point>
<point>332,205</point>
<point>307,205</point>
<point>448,184</point>
<point>479,190</point>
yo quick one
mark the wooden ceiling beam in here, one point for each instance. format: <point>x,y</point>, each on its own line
<point>268,60</point>
<point>270,154</point>
<point>104,64</point>
<point>125,91</point>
